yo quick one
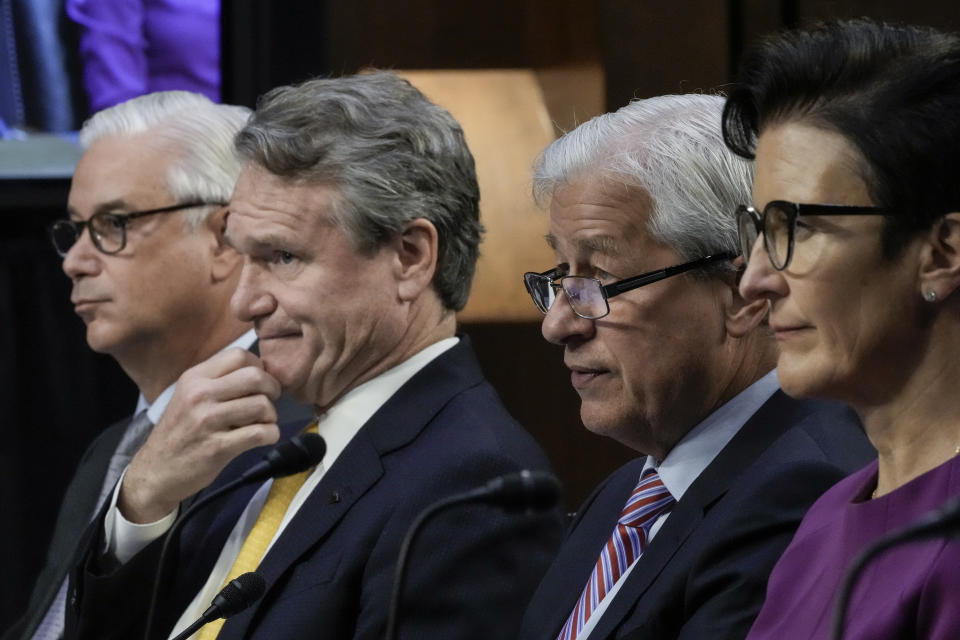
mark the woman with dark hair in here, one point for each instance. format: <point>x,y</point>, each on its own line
<point>855,243</point>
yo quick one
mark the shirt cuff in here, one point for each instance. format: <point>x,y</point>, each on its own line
<point>124,539</point>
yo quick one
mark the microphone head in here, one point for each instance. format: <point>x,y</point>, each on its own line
<point>297,454</point>
<point>534,490</point>
<point>239,593</point>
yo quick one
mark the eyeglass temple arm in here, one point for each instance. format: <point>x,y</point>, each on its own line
<point>653,276</point>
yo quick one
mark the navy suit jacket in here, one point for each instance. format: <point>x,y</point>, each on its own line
<point>704,574</point>
<point>77,509</point>
<point>330,573</point>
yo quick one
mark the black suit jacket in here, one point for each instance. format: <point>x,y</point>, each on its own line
<point>77,510</point>
<point>331,572</point>
<point>704,574</point>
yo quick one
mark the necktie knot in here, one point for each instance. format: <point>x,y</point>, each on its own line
<point>648,500</point>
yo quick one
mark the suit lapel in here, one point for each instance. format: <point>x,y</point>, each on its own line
<point>359,467</point>
<point>771,421</point>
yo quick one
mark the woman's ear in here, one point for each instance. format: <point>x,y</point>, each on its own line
<point>939,273</point>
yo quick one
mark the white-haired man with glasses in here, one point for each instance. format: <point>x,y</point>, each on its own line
<point>675,365</point>
<point>152,280</point>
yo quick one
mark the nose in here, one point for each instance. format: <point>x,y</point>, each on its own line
<point>83,259</point>
<point>562,326</point>
<point>251,300</point>
<point>760,281</point>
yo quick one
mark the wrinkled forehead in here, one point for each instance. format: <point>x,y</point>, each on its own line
<point>598,216</point>
<point>121,173</point>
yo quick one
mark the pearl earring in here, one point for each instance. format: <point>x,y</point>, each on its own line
<point>930,295</point>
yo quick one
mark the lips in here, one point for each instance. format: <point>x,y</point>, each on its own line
<point>784,331</point>
<point>277,335</point>
<point>85,305</point>
<point>581,376</point>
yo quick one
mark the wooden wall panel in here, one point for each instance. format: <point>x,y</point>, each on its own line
<point>651,48</point>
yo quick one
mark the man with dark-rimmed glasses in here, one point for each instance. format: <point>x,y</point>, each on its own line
<point>152,281</point>
<point>675,365</point>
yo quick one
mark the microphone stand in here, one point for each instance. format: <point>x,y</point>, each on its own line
<point>526,489</point>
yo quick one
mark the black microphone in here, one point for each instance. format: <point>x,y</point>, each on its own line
<point>943,521</point>
<point>522,491</point>
<point>237,595</point>
<point>526,490</point>
<point>297,454</point>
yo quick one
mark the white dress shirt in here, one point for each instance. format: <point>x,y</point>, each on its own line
<point>688,459</point>
<point>338,425</point>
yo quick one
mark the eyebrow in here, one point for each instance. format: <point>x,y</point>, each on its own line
<point>105,207</point>
<point>606,245</point>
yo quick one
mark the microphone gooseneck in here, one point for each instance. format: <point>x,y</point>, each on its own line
<point>299,453</point>
<point>521,491</point>
<point>236,595</point>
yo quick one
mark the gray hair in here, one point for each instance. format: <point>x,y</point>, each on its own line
<point>392,156</point>
<point>671,147</point>
<point>198,130</point>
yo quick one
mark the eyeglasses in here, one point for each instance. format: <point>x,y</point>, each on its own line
<point>588,296</point>
<point>107,230</point>
<point>778,223</point>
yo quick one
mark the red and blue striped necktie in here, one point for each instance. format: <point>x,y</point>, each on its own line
<point>648,501</point>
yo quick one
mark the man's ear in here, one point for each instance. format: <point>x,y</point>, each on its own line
<point>940,258</point>
<point>224,260</point>
<point>417,247</point>
<point>740,317</point>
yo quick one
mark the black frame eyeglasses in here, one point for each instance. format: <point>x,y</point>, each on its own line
<point>108,231</point>
<point>588,297</point>
<point>778,222</point>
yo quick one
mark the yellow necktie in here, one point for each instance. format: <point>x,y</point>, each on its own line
<point>264,529</point>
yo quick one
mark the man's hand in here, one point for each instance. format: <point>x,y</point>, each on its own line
<point>221,408</point>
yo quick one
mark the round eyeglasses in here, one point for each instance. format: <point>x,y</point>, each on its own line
<point>777,223</point>
<point>588,297</point>
<point>108,231</point>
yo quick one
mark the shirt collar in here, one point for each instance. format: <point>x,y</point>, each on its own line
<point>155,410</point>
<point>696,450</point>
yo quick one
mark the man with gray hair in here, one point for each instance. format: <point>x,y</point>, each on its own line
<point>670,361</point>
<point>152,280</point>
<point>357,216</point>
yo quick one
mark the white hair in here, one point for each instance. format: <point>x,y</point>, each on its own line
<point>198,130</point>
<point>672,148</point>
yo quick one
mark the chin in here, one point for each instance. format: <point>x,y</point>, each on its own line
<point>102,341</point>
<point>800,379</point>
<point>599,422</point>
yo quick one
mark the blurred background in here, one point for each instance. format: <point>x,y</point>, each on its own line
<point>514,72</point>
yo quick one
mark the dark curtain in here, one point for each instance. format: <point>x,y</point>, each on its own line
<point>56,394</point>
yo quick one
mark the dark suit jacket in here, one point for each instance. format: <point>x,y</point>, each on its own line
<point>331,572</point>
<point>704,574</point>
<point>77,509</point>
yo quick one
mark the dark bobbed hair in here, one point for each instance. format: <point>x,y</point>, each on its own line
<point>391,155</point>
<point>893,91</point>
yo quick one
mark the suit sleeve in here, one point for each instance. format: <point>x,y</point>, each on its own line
<point>728,583</point>
<point>108,601</point>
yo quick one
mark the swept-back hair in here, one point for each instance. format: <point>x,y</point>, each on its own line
<point>391,155</point>
<point>669,146</point>
<point>200,133</point>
